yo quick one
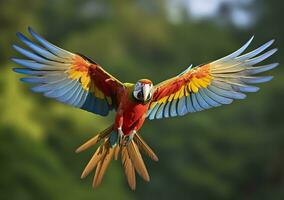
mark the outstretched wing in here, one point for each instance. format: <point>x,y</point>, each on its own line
<point>212,84</point>
<point>70,78</point>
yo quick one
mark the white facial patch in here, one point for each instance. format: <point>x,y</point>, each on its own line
<point>142,91</point>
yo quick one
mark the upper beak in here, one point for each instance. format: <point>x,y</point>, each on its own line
<point>146,92</point>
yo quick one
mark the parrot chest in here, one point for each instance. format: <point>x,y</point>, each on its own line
<point>133,116</point>
<point>134,112</point>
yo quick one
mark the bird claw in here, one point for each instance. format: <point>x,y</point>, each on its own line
<point>125,139</point>
<point>128,138</point>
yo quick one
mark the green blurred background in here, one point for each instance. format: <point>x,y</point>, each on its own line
<point>231,152</point>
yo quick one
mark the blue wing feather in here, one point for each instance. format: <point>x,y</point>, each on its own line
<point>160,111</point>
<point>201,101</point>
<point>189,104</point>
<point>260,69</point>
<point>195,103</point>
<point>226,93</point>
<point>209,100</point>
<point>54,49</point>
<point>47,66</point>
<point>173,108</point>
<point>225,80</point>
<point>167,109</point>
<point>261,58</point>
<point>39,50</point>
<point>181,107</point>
<point>256,51</point>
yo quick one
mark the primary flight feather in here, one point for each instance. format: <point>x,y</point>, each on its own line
<point>76,80</point>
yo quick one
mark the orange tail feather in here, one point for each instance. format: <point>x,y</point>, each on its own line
<point>130,156</point>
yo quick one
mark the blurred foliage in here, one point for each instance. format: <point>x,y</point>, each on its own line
<point>232,152</point>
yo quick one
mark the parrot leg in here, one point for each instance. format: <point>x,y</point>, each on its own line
<point>123,140</point>
<point>128,138</point>
<point>120,135</point>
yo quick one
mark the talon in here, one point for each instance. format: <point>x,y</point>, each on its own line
<point>128,138</point>
<point>124,139</point>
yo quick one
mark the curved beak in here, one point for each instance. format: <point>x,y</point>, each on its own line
<point>146,91</point>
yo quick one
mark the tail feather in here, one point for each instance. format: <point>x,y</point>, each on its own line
<point>116,152</point>
<point>145,148</point>
<point>137,160</point>
<point>128,168</point>
<point>93,162</point>
<point>105,161</point>
<point>130,156</point>
<point>93,141</point>
<point>99,166</point>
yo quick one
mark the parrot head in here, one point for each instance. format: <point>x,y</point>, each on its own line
<point>143,90</point>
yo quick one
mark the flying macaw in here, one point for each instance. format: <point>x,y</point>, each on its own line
<point>77,80</point>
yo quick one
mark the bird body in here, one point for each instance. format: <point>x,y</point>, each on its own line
<point>131,112</point>
<point>76,80</point>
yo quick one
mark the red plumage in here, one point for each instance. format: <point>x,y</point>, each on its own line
<point>78,81</point>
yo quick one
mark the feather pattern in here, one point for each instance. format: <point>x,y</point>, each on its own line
<point>144,147</point>
<point>104,163</point>
<point>78,81</point>
<point>213,84</point>
<point>94,140</point>
<point>117,149</point>
<point>70,78</point>
<point>128,168</point>
<point>137,160</point>
<point>130,157</point>
<point>98,155</point>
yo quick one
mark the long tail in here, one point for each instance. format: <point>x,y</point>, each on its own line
<point>130,156</point>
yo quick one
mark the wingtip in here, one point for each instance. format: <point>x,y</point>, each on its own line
<point>248,42</point>
<point>14,46</point>
<point>20,35</point>
<point>275,50</point>
<point>36,89</point>
<point>17,70</point>
<point>272,52</point>
<point>270,42</point>
<point>30,29</point>
<point>22,80</point>
<point>26,80</point>
<point>251,39</point>
<point>13,59</point>
<point>16,60</point>
<point>33,33</point>
<point>269,78</point>
<point>276,65</point>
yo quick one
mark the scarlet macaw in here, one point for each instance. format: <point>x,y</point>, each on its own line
<point>76,80</point>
